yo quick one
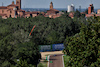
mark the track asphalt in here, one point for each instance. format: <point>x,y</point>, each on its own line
<point>56,61</point>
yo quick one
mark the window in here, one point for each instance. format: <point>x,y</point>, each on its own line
<point>10,11</point>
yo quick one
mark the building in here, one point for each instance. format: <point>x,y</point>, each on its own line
<point>71,14</point>
<point>31,14</point>
<point>14,10</point>
<point>52,13</point>
<point>98,11</point>
<point>18,3</point>
<point>80,8</point>
<point>51,5</point>
<point>90,9</point>
<point>71,8</point>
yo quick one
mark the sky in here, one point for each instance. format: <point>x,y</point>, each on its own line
<point>56,3</point>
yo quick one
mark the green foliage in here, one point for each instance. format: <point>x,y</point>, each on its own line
<point>24,63</point>
<point>6,52</point>
<point>86,11</point>
<point>77,14</point>
<point>40,65</point>
<point>45,28</point>
<point>15,42</point>
<point>66,60</point>
<point>83,48</point>
<point>0,17</point>
<point>28,52</point>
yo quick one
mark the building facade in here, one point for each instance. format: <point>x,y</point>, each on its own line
<point>18,3</point>
<point>98,11</point>
<point>14,10</point>
<point>51,5</point>
<point>90,9</point>
<point>52,13</point>
<point>71,8</point>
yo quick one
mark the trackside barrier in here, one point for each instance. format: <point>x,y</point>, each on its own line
<point>45,48</point>
<point>56,47</point>
<point>53,47</point>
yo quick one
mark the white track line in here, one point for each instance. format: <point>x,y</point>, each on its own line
<point>48,60</point>
<point>63,61</point>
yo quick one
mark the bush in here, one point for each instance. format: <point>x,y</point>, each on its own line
<point>83,48</point>
<point>40,65</point>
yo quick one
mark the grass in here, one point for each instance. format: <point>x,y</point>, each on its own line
<point>43,64</point>
<point>66,60</point>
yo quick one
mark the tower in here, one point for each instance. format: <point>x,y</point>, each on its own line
<point>71,8</point>
<point>90,9</point>
<point>80,8</point>
<point>18,3</point>
<point>12,2</point>
<point>51,5</point>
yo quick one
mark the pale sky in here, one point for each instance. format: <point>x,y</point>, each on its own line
<point>56,3</point>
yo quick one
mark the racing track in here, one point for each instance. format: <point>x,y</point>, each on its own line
<point>56,61</point>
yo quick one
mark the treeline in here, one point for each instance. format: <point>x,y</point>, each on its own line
<point>84,47</point>
<point>18,49</point>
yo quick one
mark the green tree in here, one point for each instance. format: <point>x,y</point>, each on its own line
<point>86,11</point>
<point>28,52</point>
<point>6,52</point>
<point>77,14</point>
<point>83,48</point>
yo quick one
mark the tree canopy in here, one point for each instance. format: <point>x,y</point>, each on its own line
<point>19,49</point>
<point>84,47</point>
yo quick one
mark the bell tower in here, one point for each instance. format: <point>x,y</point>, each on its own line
<point>18,3</point>
<point>51,5</point>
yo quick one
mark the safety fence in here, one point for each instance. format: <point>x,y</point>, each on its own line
<point>53,47</point>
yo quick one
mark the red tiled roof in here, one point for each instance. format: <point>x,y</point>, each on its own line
<point>12,5</point>
<point>55,16</point>
<point>3,7</point>
<point>43,13</point>
<point>97,14</point>
<point>21,10</point>
<point>89,15</point>
<point>34,12</point>
<point>31,12</point>
<point>9,9</point>
<point>53,10</point>
<point>3,15</point>
<point>27,12</point>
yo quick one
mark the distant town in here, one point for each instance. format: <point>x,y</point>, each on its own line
<point>14,10</point>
